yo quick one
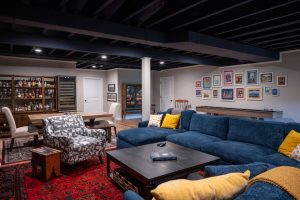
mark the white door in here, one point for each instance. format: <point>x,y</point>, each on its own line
<point>166,93</point>
<point>93,94</point>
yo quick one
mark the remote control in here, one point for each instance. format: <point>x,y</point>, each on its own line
<point>161,144</point>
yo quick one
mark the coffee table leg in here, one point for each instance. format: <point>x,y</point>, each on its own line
<point>148,189</point>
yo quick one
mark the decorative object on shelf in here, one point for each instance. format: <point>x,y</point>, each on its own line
<point>207,82</point>
<point>254,94</point>
<point>227,94</point>
<point>215,93</point>
<point>217,80</point>
<point>198,84</point>
<point>252,77</point>
<point>206,94</point>
<point>275,92</point>
<point>228,77</point>
<point>267,90</point>
<point>238,79</point>
<point>266,77</point>
<point>198,93</point>
<point>240,93</point>
<point>111,88</point>
<point>112,97</point>
<point>282,80</point>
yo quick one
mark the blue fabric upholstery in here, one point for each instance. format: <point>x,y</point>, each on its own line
<point>121,144</point>
<point>143,124</point>
<point>237,152</point>
<point>292,126</point>
<point>210,125</point>
<point>192,139</point>
<point>279,159</point>
<point>130,195</point>
<point>264,191</point>
<point>268,134</point>
<point>186,117</point>
<point>255,169</point>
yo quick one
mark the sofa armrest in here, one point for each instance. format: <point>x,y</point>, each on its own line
<point>130,195</point>
<point>143,124</point>
<point>255,169</point>
<point>96,133</point>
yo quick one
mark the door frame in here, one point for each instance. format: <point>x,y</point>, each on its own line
<point>101,91</point>
<point>160,96</point>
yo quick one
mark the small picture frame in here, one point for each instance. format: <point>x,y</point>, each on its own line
<point>266,77</point>
<point>267,90</point>
<point>206,94</point>
<point>198,93</point>
<point>217,80</point>
<point>282,80</point>
<point>228,77</point>
<point>254,94</point>
<point>112,97</point>
<point>198,84</point>
<point>238,79</point>
<point>111,88</point>
<point>227,94</point>
<point>275,92</point>
<point>215,93</point>
<point>206,82</point>
<point>240,93</point>
<point>252,77</point>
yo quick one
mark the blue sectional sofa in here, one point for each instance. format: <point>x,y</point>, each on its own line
<point>234,140</point>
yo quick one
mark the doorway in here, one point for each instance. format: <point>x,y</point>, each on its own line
<point>93,94</point>
<point>166,93</point>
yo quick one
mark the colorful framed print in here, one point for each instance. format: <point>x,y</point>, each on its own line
<point>266,77</point>
<point>240,93</point>
<point>217,80</point>
<point>275,92</point>
<point>198,84</point>
<point>282,80</point>
<point>254,94</point>
<point>198,93</point>
<point>252,77</point>
<point>268,90</point>
<point>227,94</point>
<point>112,97</point>
<point>215,93</point>
<point>228,77</point>
<point>206,94</point>
<point>206,82</point>
<point>111,88</point>
<point>238,79</point>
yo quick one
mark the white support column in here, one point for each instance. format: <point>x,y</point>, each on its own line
<point>146,88</point>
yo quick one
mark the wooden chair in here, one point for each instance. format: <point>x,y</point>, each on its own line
<point>181,103</point>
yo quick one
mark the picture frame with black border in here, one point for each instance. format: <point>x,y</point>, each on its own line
<point>112,97</point>
<point>266,77</point>
<point>227,94</point>
<point>251,77</point>
<point>111,88</point>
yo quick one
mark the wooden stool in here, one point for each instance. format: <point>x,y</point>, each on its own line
<point>48,159</point>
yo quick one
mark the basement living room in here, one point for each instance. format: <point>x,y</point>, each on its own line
<point>140,100</point>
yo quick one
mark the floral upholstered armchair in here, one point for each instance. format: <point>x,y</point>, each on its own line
<point>69,134</point>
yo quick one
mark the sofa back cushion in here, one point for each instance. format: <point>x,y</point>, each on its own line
<point>186,117</point>
<point>268,134</point>
<point>292,126</point>
<point>210,125</point>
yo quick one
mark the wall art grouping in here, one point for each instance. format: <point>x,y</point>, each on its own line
<point>248,85</point>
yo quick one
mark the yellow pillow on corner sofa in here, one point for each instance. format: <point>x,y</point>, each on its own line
<point>289,143</point>
<point>171,121</point>
<point>219,187</point>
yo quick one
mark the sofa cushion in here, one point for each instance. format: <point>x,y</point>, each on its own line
<point>141,136</point>
<point>192,139</point>
<point>186,117</point>
<point>292,126</point>
<point>279,160</point>
<point>268,134</point>
<point>237,152</point>
<point>210,125</point>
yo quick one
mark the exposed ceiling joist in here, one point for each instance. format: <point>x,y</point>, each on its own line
<point>102,7</point>
<point>277,39</point>
<point>271,35</point>
<point>113,8</point>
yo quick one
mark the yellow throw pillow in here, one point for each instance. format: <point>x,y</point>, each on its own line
<point>219,187</point>
<point>289,143</point>
<point>171,121</point>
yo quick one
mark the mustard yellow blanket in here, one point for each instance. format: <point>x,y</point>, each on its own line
<point>287,178</point>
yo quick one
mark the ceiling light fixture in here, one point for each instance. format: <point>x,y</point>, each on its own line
<point>38,50</point>
<point>104,56</point>
<point>161,62</point>
<point>94,66</point>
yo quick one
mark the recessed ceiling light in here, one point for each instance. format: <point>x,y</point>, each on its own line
<point>104,56</point>
<point>101,65</point>
<point>94,66</point>
<point>38,50</point>
<point>161,62</point>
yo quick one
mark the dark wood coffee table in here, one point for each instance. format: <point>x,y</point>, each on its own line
<point>137,162</point>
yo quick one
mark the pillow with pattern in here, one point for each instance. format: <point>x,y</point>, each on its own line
<point>296,153</point>
<point>155,120</point>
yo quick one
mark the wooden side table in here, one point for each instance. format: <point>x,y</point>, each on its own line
<point>48,158</point>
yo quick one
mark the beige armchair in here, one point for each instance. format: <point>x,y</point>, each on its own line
<point>20,132</point>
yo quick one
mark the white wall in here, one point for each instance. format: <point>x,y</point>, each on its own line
<point>112,78</point>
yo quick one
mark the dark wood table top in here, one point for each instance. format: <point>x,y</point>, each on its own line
<point>138,160</point>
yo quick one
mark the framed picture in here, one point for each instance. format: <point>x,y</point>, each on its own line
<point>206,94</point>
<point>111,88</point>
<point>216,79</point>
<point>227,94</point>
<point>282,80</point>
<point>238,79</point>
<point>228,77</point>
<point>266,77</point>
<point>215,93</point>
<point>207,82</point>
<point>275,92</point>
<point>267,90</point>
<point>240,93</point>
<point>252,77</point>
<point>198,93</point>
<point>198,84</point>
<point>112,97</point>
<point>254,94</point>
